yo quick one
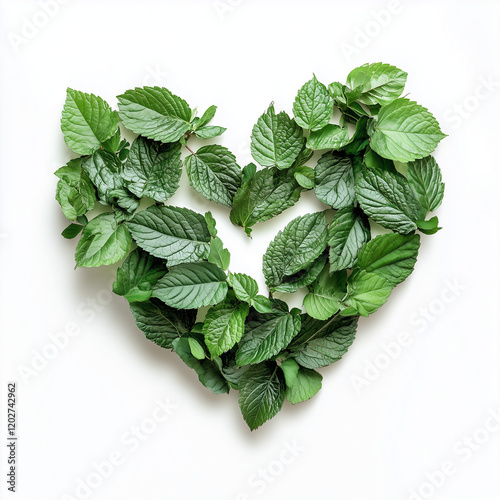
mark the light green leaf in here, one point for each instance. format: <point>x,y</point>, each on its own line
<point>87,121</point>
<point>276,140</point>
<point>329,137</point>
<point>262,393</point>
<point>295,248</point>
<point>290,371</point>
<point>303,386</point>
<point>429,226</point>
<point>245,287</point>
<point>224,326</point>
<point>173,233</point>
<point>196,348</point>
<point>405,131</point>
<point>208,132</point>
<point>103,242</point>
<point>206,117</point>
<point>211,224</point>
<point>304,176</point>
<point>153,169</point>
<point>214,173</point>
<point>313,106</point>
<point>262,304</point>
<point>335,180</point>
<point>379,83</point>
<point>191,286</point>
<point>218,254</point>
<point>392,256</point>
<point>366,292</point>
<point>155,113</point>
<point>424,177</point>
<point>347,233</point>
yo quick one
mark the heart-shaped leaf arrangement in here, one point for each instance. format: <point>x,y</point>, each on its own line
<point>376,164</point>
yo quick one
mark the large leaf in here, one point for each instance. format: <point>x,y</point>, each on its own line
<point>367,292</point>
<point>263,195</point>
<point>266,335</point>
<point>329,137</point>
<point>162,324</point>
<point>214,173</point>
<point>103,242</point>
<point>301,383</point>
<point>153,169</point>
<point>347,233</point>
<point>155,113</point>
<point>223,327</point>
<point>313,106</point>
<point>137,275</point>
<point>388,199</point>
<point>245,287</point>
<point>301,242</point>
<point>378,83</point>
<point>424,177</point>
<point>276,140</point>
<point>335,180</point>
<point>173,233</point>
<point>392,256</point>
<point>191,286</point>
<point>87,121</point>
<point>262,393</point>
<point>405,131</point>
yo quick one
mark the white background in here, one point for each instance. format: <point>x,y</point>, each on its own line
<point>354,441</point>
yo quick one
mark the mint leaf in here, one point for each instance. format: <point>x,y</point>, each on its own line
<point>424,177</point>
<point>245,287</point>
<point>347,233</point>
<point>87,121</point>
<point>223,327</point>
<point>211,224</point>
<point>388,199</point>
<point>301,383</point>
<point>207,371</point>
<point>153,169</point>
<point>196,348</point>
<point>218,254</point>
<point>359,140</point>
<point>429,226</point>
<point>262,304</point>
<point>214,173</point>
<point>303,278</point>
<point>206,117</point>
<point>266,335</point>
<point>392,256</point>
<point>321,343</point>
<point>173,233</point>
<point>265,194</point>
<point>290,370</point>
<point>301,242</point>
<point>335,180</point>
<point>405,131</point>
<point>378,83</point>
<point>262,393</point>
<point>366,292</point>
<point>162,324</point>
<point>209,132</point>
<point>103,242</point>
<point>304,176</point>
<point>313,106</point>
<point>329,137</point>
<point>155,113</point>
<point>276,140</point>
<point>72,231</point>
<point>137,275</point>
<point>190,286</point>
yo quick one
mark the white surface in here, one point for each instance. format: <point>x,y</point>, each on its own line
<point>376,443</point>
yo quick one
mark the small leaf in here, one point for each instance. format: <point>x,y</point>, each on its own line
<point>196,348</point>
<point>209,131</point>
<point>304,386</point>
<point>304,176</point>
<point>245,287</point>
<point>367,292</point>
<point>72,231</point>
<point>206,117</point>
<point>218,254</point>
<point>329,137</point>
<point>313,106</point>
<point>424,177</point>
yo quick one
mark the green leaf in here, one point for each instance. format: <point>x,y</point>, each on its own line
<point>290,371</point>
<point>366,292</point>
<point>137,275</point>
<point>218,254</point>
<point>72,231</point>
<point>429,226</point>
<point>173,233</point>
<point>378,83</point>
<point>262,304</point>
<point>224,327</point>
<point>313,106</point>
<point>207,371</point>
<point>303,278</point>
<point>359,141</point>
<point>301,383</point>
<point>300,243</point>
<point>209,132</point>
<point>245,287</point>
<point>196,348</point>
<point>87,121</point>
<point>329,137</point>
<point>264,195</point>
<point>214,173</point>
<point>304,176</point>
<point>206,117</point>
<point>335,180</point>
<point>162,324</point>
<point>387,198</point>
<point>155,113</point>
<point>392,256</point>
<point>347,233</point>
<point>211,224</point>
<point>405,131</point>
<point>276,140</point>
<point>103,242</point>
<point>321,343</point>
<point>424,177</point>
<point>191,286</point>
<point>262,393</point>
<point>153,169</point>
<point>266,335</point>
